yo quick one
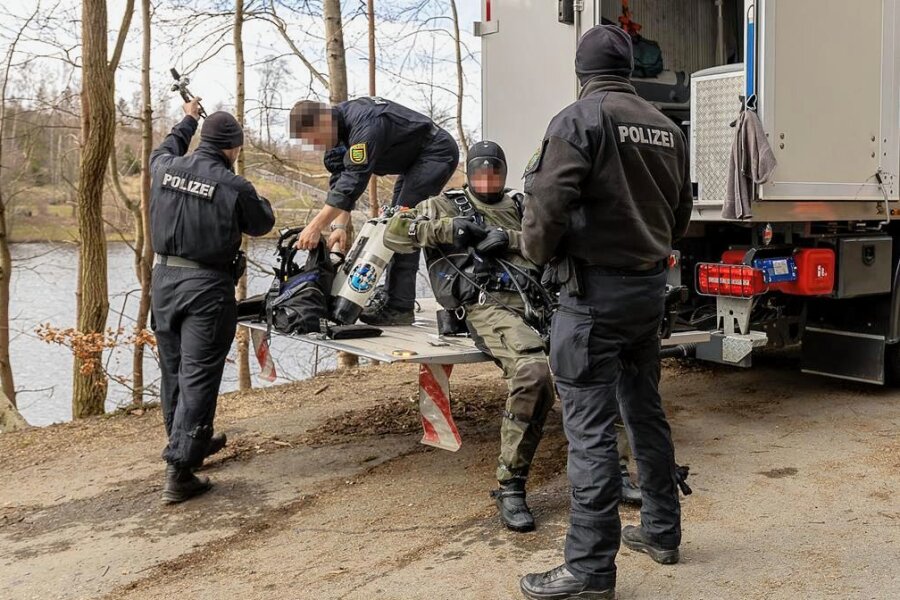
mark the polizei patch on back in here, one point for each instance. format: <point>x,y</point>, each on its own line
<point>648,136</point>
<point>186,185</point>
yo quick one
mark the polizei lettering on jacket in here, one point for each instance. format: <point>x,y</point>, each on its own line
<point>642,134</point>
<point>183,184</point>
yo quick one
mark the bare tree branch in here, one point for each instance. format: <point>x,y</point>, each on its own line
<point>273,18</point>
<point>123,34</point>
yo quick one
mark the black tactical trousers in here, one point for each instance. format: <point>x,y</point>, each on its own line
<point>604,346</point>
<point>194,319</point>
<point>424,179</point>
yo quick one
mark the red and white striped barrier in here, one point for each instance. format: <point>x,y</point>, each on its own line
<point>263,355</point>
<point>434,403</point>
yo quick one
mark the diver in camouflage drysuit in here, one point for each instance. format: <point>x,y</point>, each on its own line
<point>438,226</point>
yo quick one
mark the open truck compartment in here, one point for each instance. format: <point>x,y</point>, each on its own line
<point>824,76</point>
<point>817,262</point>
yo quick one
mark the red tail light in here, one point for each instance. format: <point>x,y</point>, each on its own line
<point>736,281</point>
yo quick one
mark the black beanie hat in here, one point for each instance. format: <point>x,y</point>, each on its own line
<point>604,50</point>
<point>487,154</point>
<point>222,130</point>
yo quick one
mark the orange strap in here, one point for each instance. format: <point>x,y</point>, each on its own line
<point>626,21</point>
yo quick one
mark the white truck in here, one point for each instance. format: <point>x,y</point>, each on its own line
<point>817,264</point>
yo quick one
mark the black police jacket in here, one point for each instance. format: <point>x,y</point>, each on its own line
<point>198,206</point>
<point>610,184</point>
<point>381,137</point>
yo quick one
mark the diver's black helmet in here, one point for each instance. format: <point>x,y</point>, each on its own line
<point>487,155</point>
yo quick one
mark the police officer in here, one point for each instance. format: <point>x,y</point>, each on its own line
<point>370,136</point>
<point>608,193</point>
<point>486,217</point>
<point>198,210</point>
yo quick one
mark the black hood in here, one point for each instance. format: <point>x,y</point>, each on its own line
<point>486,154</point>
<point>604,50</point>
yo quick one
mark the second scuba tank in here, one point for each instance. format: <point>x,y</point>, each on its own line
<point>356,279</point>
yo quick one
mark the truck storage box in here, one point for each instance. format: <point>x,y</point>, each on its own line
<point>864,266</point>
<point>816,272</point>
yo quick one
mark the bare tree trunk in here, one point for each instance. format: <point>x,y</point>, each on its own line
<point>7,382</point>
<point>10,419</point>
<point>336,54</point>
<point>89,385</point>
<point>335,51</point>
<point>373,89</point>
<point>461,132</point>
<point>145,264</point>
<point>140,242</point>
<point>243,341</point>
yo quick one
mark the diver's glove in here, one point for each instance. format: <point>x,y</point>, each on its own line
<point>495,242</point>
<point>467,233</point>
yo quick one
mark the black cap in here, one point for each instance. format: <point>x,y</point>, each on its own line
<point>487,154</point>
<point>222,130</point>
<point>604,50</point>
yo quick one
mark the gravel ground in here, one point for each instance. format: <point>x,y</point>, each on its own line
<point>324,492</point>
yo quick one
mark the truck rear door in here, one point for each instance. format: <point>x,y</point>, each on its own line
<point>829,97</point>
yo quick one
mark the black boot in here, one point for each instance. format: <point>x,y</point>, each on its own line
<point>182,484</point>
<point>383,316</point>
<point>216,444</point>
<point>514,513</point>
<point>634,538</point>
<point>560,584</point>
<point>631,493</point>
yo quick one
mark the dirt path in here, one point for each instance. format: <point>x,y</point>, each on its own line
<point>326,493</point>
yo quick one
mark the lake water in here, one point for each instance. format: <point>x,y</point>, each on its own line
<point>43,291</point>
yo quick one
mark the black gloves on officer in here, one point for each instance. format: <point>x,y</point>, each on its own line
<point>467,233</point>
<point>495,242</point>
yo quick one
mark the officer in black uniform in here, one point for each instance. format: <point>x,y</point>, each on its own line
<point>607,194</point>
<point>198,211</point>
<point>370,136</point>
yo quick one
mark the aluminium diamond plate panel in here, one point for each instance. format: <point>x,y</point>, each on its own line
<point>716,104</point>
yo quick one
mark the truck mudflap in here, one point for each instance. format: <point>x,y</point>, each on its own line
<point>844,355</point>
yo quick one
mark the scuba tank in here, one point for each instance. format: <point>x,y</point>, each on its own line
<point>356,279</point>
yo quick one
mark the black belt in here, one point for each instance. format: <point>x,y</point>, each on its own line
<point>652,268</point>
<point>430,136</point>
<point>184,263</point>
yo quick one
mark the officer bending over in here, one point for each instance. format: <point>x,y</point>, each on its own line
<point>476,227</point>
<point>198,211</point>
<point>607,194</point>
<point>370,136</point>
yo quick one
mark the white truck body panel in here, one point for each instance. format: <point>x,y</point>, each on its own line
<point>528,72</point>
<point>828,81</point>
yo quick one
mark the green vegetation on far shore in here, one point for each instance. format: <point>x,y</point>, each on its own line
<point>47,213</point>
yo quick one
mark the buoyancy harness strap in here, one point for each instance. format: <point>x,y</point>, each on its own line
<point>464,206</point>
